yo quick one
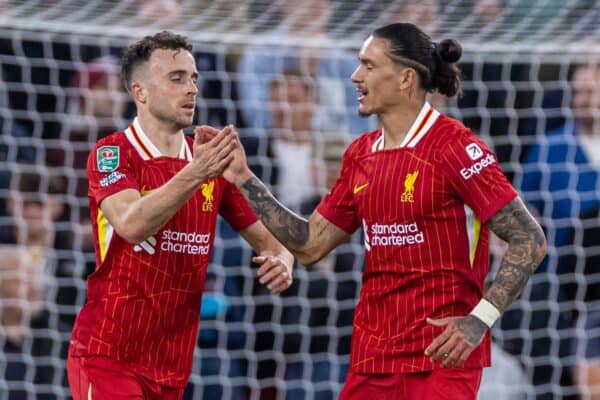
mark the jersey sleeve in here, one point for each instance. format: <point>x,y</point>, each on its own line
<point>109,170</point>
<point>235,209</point>
<point>476,176</point>
<point>338,205</point>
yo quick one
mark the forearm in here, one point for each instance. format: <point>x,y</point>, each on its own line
<point>273,247</point>
<point>518,264</point>
<point>289,228</point>
<point>526,249</point>
<point>147,214</point>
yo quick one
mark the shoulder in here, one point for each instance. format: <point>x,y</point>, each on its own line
<point>110,151</point>
<point>114,139</point>
<point>449,133</point>
<point>363,144</point>
<point>448,128</point>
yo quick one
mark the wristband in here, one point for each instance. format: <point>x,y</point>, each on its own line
<point>486,312</point>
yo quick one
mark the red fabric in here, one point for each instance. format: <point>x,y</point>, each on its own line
<point>100,378</point>
<point>417,253</point>
<point>143,308</point>
<point>441,384</point>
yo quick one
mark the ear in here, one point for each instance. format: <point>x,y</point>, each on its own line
<point>139,92</point>
<point>407,78</point>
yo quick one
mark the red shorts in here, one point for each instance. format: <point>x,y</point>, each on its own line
<point>439,384</point>
<point>101,378</point>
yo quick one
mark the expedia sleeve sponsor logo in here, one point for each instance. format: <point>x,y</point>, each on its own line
<point>392,235</point>
<point>476,168</point>
<point>474,151</point>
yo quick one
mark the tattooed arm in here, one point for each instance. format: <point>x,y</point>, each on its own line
<point>309,241</point>
<point>526,249</point>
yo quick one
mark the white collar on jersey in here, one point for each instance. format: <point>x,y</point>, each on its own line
<point>144,146</point>
<point>424,121</point>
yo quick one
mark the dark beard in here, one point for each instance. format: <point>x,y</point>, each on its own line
<point>364,115</point>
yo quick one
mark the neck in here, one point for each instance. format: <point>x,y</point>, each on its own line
<point>166,136</point>
<point>397,121</point>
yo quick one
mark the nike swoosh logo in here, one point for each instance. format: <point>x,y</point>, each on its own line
<point>358,188</point>
<point>145,191</point>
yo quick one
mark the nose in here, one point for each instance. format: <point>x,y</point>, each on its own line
<point>193,87</point>
<point>356,76</point>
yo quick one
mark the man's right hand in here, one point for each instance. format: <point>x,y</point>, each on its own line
<point>213,153</point>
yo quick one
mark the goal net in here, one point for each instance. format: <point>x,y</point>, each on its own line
<point>279,70</point>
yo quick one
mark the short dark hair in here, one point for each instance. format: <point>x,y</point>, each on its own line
<point>141,51</point>
<point>435,63</point>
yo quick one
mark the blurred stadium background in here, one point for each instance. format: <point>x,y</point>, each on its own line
<point>60,92</point>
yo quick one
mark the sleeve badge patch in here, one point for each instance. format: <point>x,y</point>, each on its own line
<point>107,158</point>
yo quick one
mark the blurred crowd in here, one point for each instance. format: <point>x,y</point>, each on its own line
<point>295,110</point>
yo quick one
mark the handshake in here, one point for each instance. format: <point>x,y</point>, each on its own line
<point>219,152</point>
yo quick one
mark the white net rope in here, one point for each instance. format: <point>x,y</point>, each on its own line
<point>59,93</point>
<point>542,24</point>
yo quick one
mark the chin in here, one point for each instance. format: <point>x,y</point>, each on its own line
<point>185,121</point>
<point>364,113</point>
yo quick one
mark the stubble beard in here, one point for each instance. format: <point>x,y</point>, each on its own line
<point>178,121</point>
<point>365,114</point>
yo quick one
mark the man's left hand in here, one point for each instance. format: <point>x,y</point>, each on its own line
<point>454,345</point>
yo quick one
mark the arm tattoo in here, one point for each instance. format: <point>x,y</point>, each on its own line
<point>526,249</point>
<point>324,229</point>
<point>290,229</point>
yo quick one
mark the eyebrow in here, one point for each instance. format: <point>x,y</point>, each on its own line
<point>183,72</point>
<point>365,60</point>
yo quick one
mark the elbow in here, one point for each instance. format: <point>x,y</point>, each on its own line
<point>132,233</point>
<point>132,238</point>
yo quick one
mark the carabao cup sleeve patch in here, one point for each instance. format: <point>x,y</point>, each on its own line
<point>107,158</point>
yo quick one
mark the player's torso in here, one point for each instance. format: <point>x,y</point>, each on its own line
<point>143,299</point>
<point>185,241</point>
<point>180,250</point>
<point>418,236</point>
<point>412,219</point>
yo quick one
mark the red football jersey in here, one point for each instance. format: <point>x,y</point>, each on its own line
<point>143,300</point>
<point>423,208</point>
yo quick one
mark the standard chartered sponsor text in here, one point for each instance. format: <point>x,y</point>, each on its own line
<point>192,243</point>
<point>396,234</point>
